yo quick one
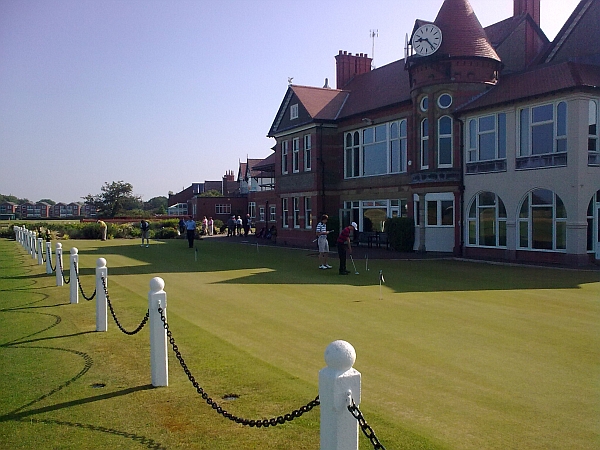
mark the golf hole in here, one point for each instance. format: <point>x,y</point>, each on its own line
<point>98,385</point>
<point>231,397</point>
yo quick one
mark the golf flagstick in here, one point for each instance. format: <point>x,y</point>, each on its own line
<point>381,280</point>
<point>367,262</point>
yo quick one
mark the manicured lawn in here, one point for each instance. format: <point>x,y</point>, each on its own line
<point>455,355</point>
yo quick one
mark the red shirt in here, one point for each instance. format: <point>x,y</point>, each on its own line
<point>344,235</point>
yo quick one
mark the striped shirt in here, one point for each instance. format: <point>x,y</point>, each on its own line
<point>321,228</point>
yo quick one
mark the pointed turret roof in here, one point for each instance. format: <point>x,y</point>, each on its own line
<point>462,34</point>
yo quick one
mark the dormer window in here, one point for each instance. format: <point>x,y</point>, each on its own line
<point>294,111</point>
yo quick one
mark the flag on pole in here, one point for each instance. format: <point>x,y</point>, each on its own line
<point>381,279</point>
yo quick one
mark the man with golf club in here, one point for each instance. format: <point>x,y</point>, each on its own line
<point>344,245</point>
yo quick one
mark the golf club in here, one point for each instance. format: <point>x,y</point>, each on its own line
<point>355,271</point>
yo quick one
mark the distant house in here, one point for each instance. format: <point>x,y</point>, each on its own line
<point>8,210</point>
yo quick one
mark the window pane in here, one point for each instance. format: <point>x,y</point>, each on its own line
<point>590,234</point>
<point>374,159</point>
<point>380,133</point>
<point>473,210</point>
<point>445,150</point>
<point>368,135</point>
<point>487,146</point>
<point>349,160</point>
<point>394,130</point>
<point>542,113</point>
<point>541,228</point>
<point>356,164</point>
<point>502,233</point>
<point>524,126</point>
<point>561,145</point>
<point>523,234</point>
<point>541,197</point>
<point>356,138</point>
<point>592,117</point>
<point>425,128</point>
<point>487,199</point>
<point>542,139</point>
<point>348,140</point>
<point>501,209</point>
<point>472,133</point>
<point>561,212</point>
<point>403,128</point>
<point>447,212</point>
<point>487,123</point>
<point>487,225</point>
<point>472,230</point>
<point>395,155</point>
<point>431,213</point>
<point>525,208</point>
<point>502,135</point>
<point>445,125</point>
<point>561,235</point>
<point>561,119</point>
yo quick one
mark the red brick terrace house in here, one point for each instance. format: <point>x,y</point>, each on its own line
<point>486,137</point>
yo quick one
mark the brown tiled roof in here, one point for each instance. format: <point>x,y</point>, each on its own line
<point>252,164</point>
<point>538,81</point>
<point>320,103</point>
<point>267,164</point>
<point>462,34</point>
<point>381,87</point>
<point>499,31</point>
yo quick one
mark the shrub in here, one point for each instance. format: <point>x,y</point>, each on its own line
<point>401,233</point>
<point>166,233</point>
<point>217,225</point>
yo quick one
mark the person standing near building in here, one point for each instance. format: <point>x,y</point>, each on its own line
<point>211,226</point>
<point>204,226</point>
<point>145,227</point>
<point>190,227</point>
<point>231,226</point>
<point>344,245</point>
<point>103,229</point>
<point>322,242</point>
<point>246,223</point>
<point>238,227</point>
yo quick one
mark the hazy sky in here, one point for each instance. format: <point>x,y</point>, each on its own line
<point>162,94</point>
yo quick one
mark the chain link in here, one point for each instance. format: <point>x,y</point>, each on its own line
<point>214,405</point>
<point>112,311</point>
<point>80,288</point>
<point>62,273</point>
<point>364,426</point>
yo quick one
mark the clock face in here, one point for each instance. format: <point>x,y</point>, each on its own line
<point>427,39</point>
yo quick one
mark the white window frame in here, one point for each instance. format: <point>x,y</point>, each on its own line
<point>526,127</point>
<point>296,217</point>
<point>528,223</point>
<point>284,156</point>
<point>424,138</point>
<point>307,153</point>
<point>296,155</point>
<point>284,212</point>
<point>439,199</point>
<point>593,126</point>
<point>272,213</point>
<point>261,213</point>
<point>294,111</point>
<point>474,223</point>
<point>474,148</point>
<point>308,212</point>
<point>252,209</point>
<point>445,136</point>
<point>352,158</point>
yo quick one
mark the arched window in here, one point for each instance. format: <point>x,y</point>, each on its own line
<point>593,223</point>
<point>445,141</point>
<point>542,222</point>
<point>486,221</point>
<point>593,126</point>
<point>424,144</point>
<point>352,155</point>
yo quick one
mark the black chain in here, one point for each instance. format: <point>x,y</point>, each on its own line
<point>214,405</point>
<point>112,311</point>
<point>364,426</point>
<point>49,256</point>
<point>80,288</point>
<point>62,273</point>
<point>43,254</point>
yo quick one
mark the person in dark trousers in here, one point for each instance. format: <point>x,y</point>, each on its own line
<point>246,222</point>
<point>145,227</point>
<point>190,227</point>
<point>344,245</point>
<point>181,227</point>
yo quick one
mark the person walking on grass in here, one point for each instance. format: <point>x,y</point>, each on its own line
<point>190,227</point>
<point>322,242</point>
<point>145,227</point>
<point>103,229</point>
<point>344,246</point>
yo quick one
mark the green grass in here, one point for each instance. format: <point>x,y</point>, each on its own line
<point>455,355</point>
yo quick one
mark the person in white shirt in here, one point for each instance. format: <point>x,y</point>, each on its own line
<point>322,241</point>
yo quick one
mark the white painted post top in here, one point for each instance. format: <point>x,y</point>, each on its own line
<point>100,263</point>
<point>74,250</point>
<point>340,355</point>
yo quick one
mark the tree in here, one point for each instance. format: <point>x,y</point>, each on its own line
<point>47,200</point>
<point>156,205</point>
<point>114,198</point>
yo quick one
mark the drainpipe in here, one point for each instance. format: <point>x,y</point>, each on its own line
<point>462,186</point>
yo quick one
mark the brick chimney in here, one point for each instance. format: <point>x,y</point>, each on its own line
<point>229,185</point>
<point>349,65</point>
<point>528,6</point>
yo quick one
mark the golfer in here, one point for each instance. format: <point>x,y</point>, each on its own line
<point>344,245</point>
<point>145,227</point>
<point>322,242</point>
<point>190,227</point>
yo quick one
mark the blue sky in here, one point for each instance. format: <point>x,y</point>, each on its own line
<point>162,94</point>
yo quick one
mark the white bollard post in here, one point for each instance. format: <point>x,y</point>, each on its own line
<point>74,266</point>
<point>48,258</point>
<point>33,251</point>
<point>339,384</point>
<point>159,361</point>
<point>101,306</point>
<point>40,251</point>
<point>59,264</point>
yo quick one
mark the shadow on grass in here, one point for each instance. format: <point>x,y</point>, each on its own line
<point>291,266</point>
